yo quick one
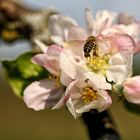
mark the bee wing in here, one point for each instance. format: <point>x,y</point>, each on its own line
<point>75,46</point>
<point>73,43</point>
<point>102,27</point>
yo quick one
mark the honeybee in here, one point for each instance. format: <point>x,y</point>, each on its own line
<point>90,46</point>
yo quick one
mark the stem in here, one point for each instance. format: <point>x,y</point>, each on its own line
<point>16,24</point>
<point>100,126</point>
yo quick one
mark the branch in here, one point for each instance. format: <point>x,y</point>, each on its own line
<point>100,126</point>
<point>17,21</point>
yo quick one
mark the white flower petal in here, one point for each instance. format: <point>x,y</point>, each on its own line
<point>105,102</point>
<point>98,81</point>
<point>66,64</point>
<point>40,44</point>
<point>42,94</point>
<point>117,74</point>
<point>71,108</point>
<point>57,39</point>
<point>59,26</point>
<point>89,20</point>
<point>88,107</point>
<point>104,46</point>
<point>120,67</point>
<point>101,16</point>
<point>101,104</point>
<point>70,89</point>
<point>75,102</point>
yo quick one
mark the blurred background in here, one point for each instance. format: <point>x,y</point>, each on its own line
<point>19,122</point>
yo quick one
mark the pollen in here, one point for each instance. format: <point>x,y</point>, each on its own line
<point>98,64</point>
<point>88,95</point>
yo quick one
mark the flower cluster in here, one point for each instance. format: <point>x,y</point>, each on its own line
<point>87,66</point>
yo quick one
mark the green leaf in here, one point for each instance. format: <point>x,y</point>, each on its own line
<point>133,108</point>
<point>21,72</point>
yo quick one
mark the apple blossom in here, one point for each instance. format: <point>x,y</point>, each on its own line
<point>86,93</point>
<point>82,83</point>
<point>45,93</point>
<point>115,24</point>
<point>115,49</point>
<point>132,89</point>
<point>114,60</point>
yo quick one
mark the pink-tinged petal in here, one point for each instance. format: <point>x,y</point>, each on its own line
<point>70,89</point>
<point>51,65</point>
<point>49,60</point>
<point>132,89</point>
<point>77,33</point>
<point>131,29</point>
<point>39,59</point>
<point>54,51</point>
<point>42,94</point>
<point>123,43</point>
<point>42,46</point>
<point>65,79</point>
<point>137,48</point>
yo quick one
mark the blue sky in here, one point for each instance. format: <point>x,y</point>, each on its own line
<point>75,9</point>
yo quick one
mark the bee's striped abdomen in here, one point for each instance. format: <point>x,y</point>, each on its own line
<point>89,46</point>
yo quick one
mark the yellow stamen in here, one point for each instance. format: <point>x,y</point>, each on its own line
<point>88,95</point>
<point>98,64</point>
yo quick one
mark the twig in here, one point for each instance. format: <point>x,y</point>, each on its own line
<point>100,126</point>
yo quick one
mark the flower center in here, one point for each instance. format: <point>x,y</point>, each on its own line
<point>57,80</point>
<point>88,95</point>
<point>98,64</point>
